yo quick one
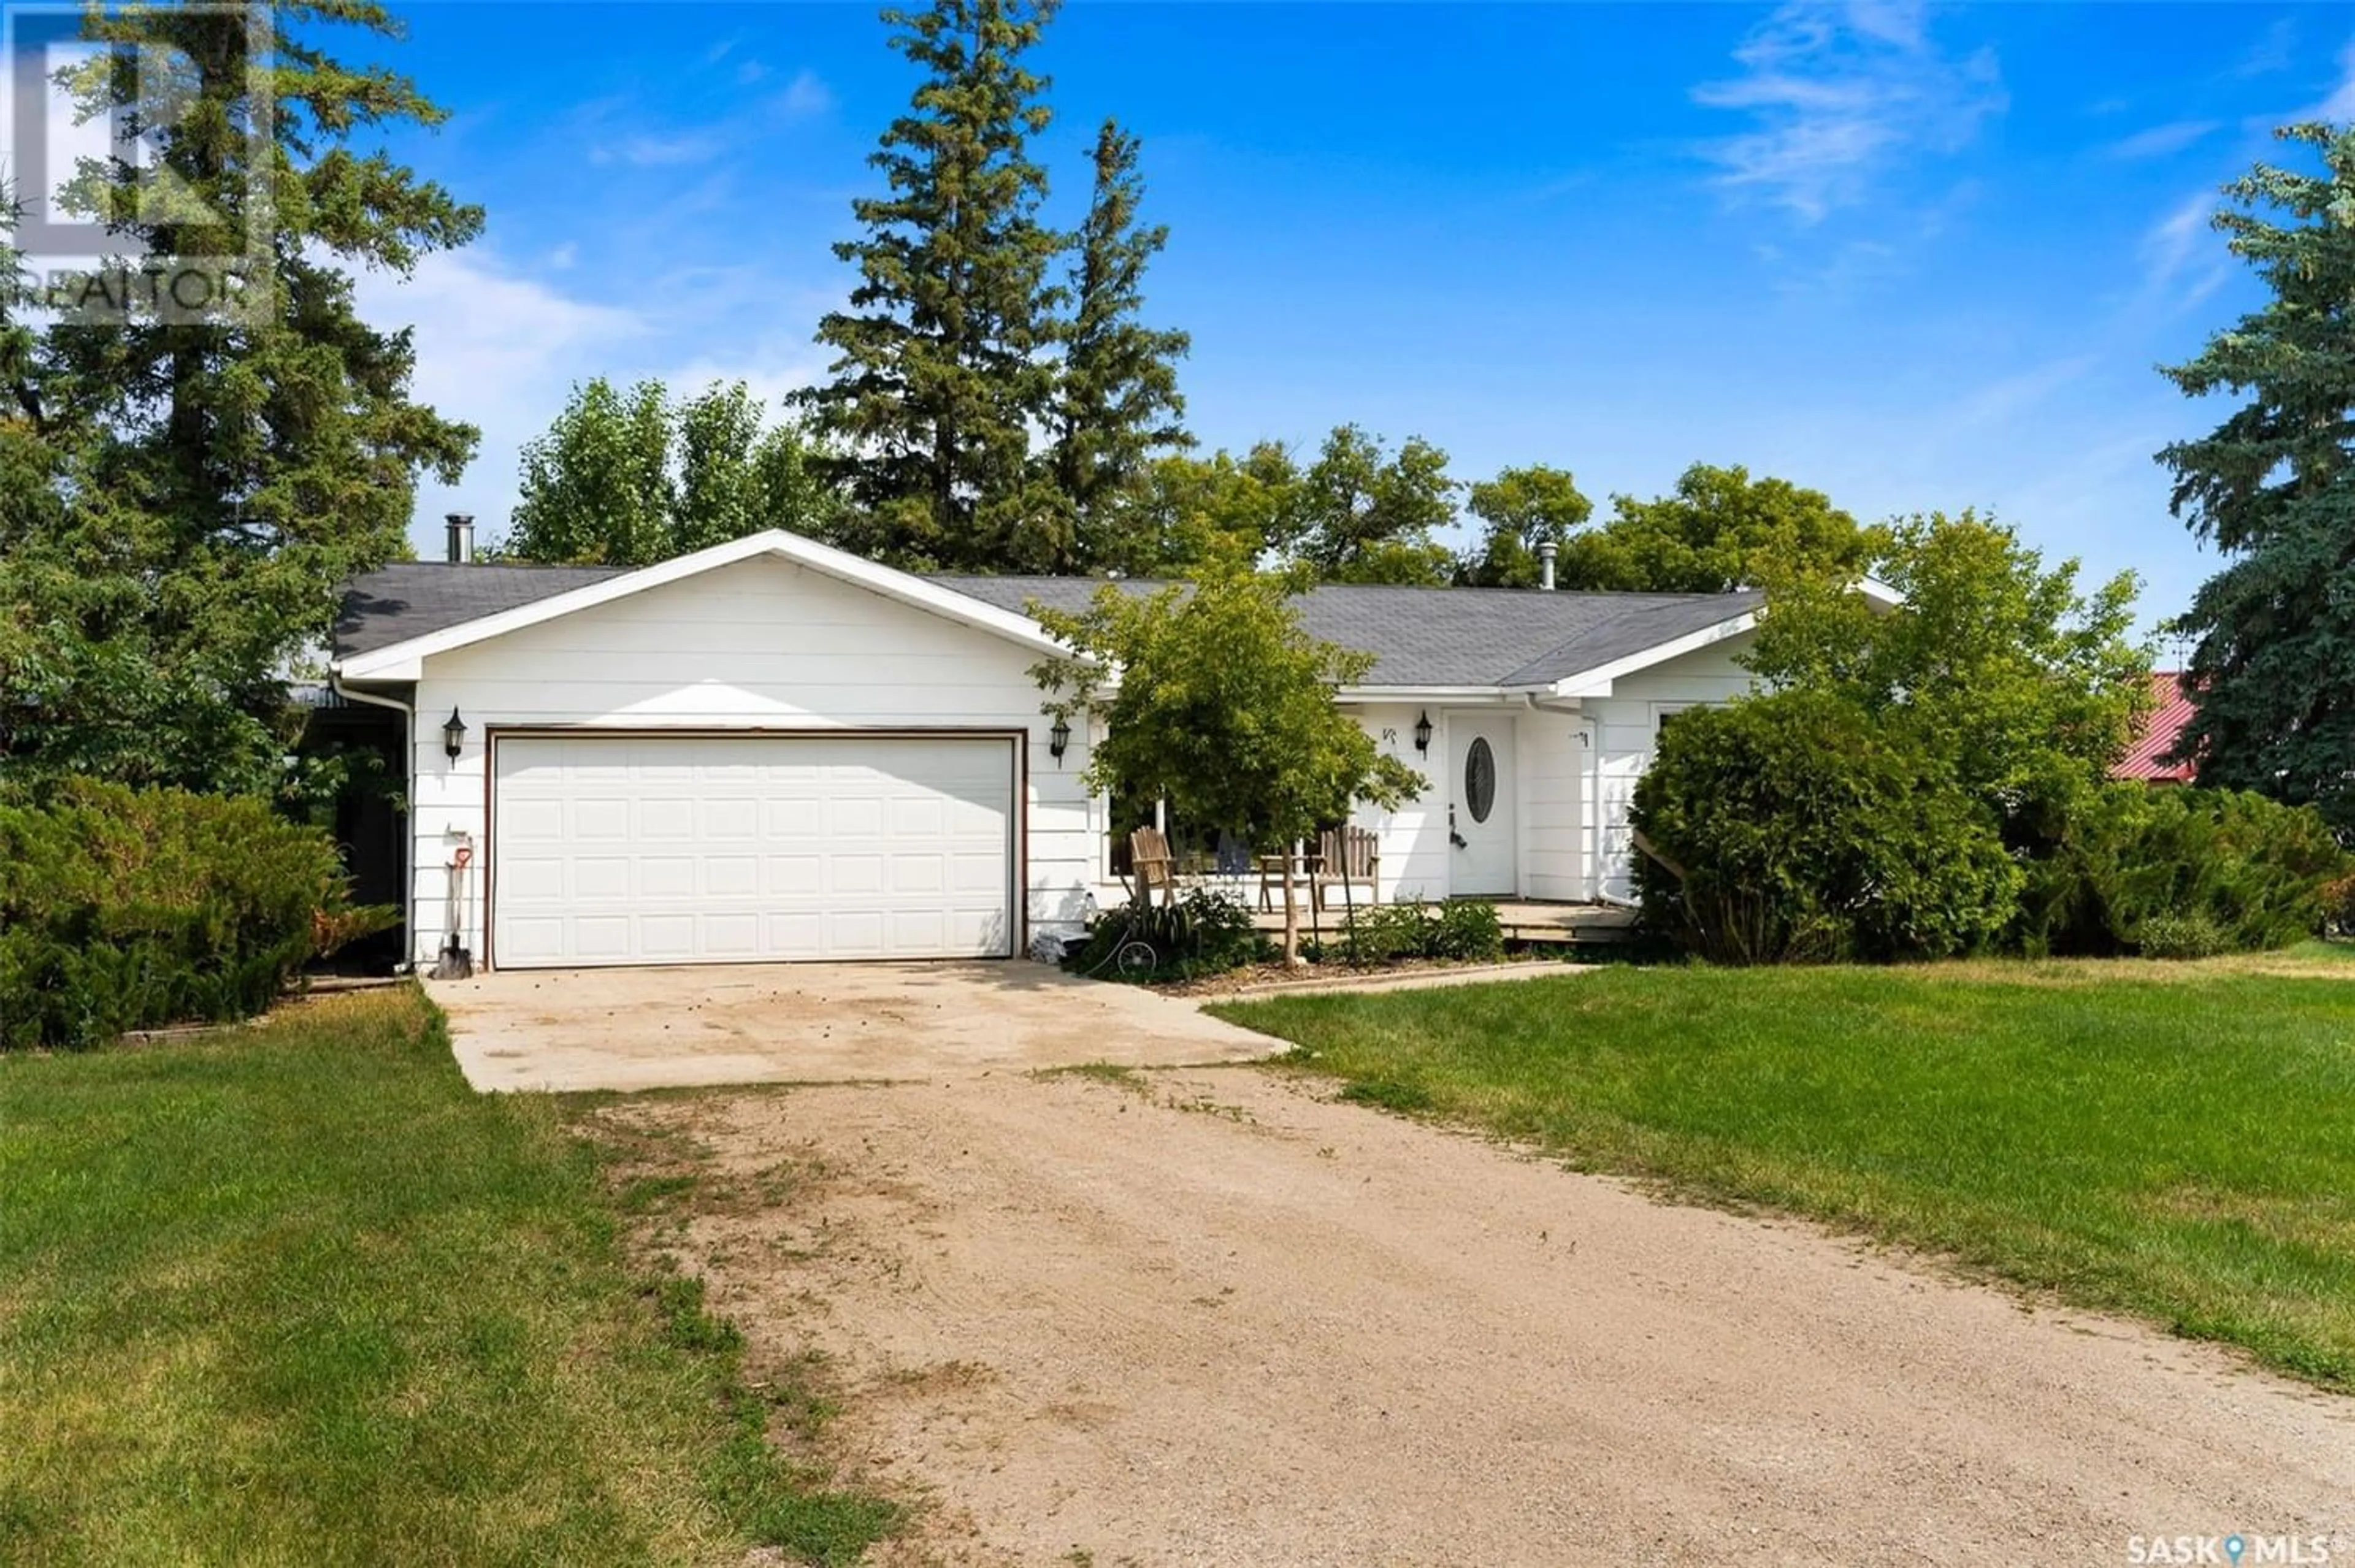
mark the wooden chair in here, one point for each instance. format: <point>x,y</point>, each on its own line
<point>1301,870</point>
<point>1148,854</point>
<point>1346,856</point>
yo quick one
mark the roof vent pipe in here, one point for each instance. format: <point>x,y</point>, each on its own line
<point>1546,551</point>
<point>461,538</point>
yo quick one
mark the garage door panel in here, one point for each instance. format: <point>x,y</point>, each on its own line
<point>593,877</point>
<point>854,816</point>
<point>732,877</point>
<point>795,876</point>
<point>732,818</point>
<point>659,850</point>
<point>918,874</point>
<point>732,935</point>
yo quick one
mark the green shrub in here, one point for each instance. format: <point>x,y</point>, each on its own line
<point>2192,933</point>
<point>1204,932</point>
<point>2339,905</point>
<point>124,909</point>
<point>1460,929</point>
<point>1469,929</point>
<point>1382,935</point>
<point>2259,873</point>
<point>1799,829</point>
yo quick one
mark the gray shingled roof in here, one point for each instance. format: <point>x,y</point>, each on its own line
<point>1448,636</point>
<point>411,598</point>
<point>1418,637</point>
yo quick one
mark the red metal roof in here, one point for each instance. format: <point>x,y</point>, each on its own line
<point>2146,759</point>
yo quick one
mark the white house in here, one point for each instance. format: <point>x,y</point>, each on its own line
<point>772,750</point>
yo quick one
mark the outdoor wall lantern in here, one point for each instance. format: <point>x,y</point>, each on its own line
<point>453,735</point>
<point>1422,734</point>
<point>1059,739</point>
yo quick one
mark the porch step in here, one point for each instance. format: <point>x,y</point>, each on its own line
<point>1523,920</point>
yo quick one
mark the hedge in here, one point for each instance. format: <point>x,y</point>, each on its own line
<point>2176,871</point>
<point>1794,827</point>
<point>123,910</point>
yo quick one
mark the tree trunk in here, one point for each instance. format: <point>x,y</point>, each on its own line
<point>1292,959</point>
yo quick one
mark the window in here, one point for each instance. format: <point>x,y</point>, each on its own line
<point>1480,779</point>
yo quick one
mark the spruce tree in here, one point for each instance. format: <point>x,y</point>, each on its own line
<point>1117,403</point>
<point>227,471</point>
<point>2273,489</point>
<point>939,375</point>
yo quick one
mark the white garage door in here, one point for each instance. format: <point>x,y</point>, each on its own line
<point>626,849</point>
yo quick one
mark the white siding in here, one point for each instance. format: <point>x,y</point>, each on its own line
<point>1629,718</point>
<point>1413,837</point>
<point>762,643</point>
<point>1554,757</point>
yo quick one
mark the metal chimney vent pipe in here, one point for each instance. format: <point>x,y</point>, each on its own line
<point>461,538</point>
<point>1546,551</point>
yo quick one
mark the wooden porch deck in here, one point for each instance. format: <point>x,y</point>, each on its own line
<point>1523,919</point>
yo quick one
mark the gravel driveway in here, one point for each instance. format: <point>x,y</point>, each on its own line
<point>1208,1316</point>
<point>635,1029</point>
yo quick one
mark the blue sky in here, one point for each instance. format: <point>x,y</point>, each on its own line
<point>1918,257</point>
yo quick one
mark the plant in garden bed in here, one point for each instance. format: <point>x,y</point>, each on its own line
<point>1461,930</point>
<point>1204,932</point>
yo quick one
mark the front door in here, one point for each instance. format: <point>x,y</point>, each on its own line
<point>1480,805</point>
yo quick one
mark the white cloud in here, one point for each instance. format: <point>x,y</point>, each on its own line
<point>497,350</point>
<point>2009,398</point>
<point>2177,247</point>
<point>659,152</point>
<point>2274,50</point>
<point>2339,105</point>
<point>1842,94</point>
<point>772,376</point>
<point>805,96</point>
<point>2162,140</point>
<point>501,345</point>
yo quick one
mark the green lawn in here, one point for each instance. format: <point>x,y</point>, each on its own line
<point>2172,1140</point>
<point>294,1295</point>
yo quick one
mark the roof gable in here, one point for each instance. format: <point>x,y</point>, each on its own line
<point>401,660</point>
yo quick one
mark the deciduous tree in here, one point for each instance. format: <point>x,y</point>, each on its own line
<point>1719,529</point>
<point>1362,514</point>
<point>1522,508</point>
<point>2026,689</point>
<point>1224,708</point>
<point>630,478</point>
<point>597,487</point>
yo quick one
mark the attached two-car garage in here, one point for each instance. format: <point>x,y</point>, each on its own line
<point>672,848</point>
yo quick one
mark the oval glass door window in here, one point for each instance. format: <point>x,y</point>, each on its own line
<point>1480,779</point>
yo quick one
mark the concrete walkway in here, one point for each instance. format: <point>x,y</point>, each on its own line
<point>813,1023</point>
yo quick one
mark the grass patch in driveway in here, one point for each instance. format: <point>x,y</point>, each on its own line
<point>2172,1140</point>
<point>296,1295</point>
